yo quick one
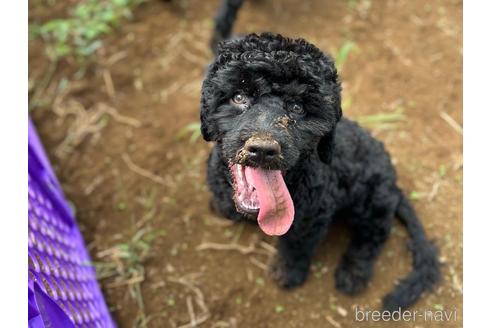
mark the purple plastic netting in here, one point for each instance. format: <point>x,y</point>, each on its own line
<point>63,290</point>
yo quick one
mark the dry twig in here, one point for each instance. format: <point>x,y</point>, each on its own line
<point>259,264</point>
<point>448,119</point>
<point>133,280</point>
<point>113,59</point>
<point>204,315</point>
<point>191,311</point>
<point>332,321</point>
<point>140,171</point>
<point>269,248</point>
<point>227,247</point>
<point>88,122</point>
<point>108,82</point>
<point>433,193</point>
<point>93,185</point>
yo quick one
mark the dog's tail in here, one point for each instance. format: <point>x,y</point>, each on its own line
<point>224,21</point>
<point>426,267</point>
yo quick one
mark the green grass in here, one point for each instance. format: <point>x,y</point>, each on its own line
<point>352,3</point>
<point>415,195</point>
<point>78,37</point>
<point>383,120</point>
<point>438,307</point>
<point>121,206</point>
<point>123,260</point>
<point>443,170</point>
<point>343,53</point>
<point>192,129</point>
<point>147,199</point>
<point>279,308</point>
<point>80,34</point>
<point>123,265</point>
<point>346,102</point>
<point>170,301</point>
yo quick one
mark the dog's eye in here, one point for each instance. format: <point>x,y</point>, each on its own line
<point>296,109</point>
<point>240,99</point>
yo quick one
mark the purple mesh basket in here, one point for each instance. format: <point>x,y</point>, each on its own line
<point>63,290</point>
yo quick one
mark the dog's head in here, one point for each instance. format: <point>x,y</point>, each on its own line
<point>269,101</point>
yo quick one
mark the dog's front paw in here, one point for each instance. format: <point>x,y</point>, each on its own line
<point>351,278</point>
<point>288,275</point>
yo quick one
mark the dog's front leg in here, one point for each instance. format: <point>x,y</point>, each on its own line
<point>295,249</point>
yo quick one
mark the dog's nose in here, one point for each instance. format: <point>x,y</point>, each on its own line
<point>261,150</point>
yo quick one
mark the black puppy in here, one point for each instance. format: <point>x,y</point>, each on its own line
<point>284,156</point>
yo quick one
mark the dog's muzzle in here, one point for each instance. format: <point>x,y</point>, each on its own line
<point>260,150</point>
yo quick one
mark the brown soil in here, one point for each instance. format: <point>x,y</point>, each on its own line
<point>409,56</point>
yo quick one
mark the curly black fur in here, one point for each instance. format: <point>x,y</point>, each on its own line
<point>333,167</point>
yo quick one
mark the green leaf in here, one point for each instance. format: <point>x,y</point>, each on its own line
<point>62,50</point>
<point>346,102</point>
<point>438,307</point>
<point>383,120</point>
<point>415,195</point>
<point>34,30</point>
<point>343,53</point>
<point>90,49</point>
<point>193,129</point>
<point>279,308</point>
<point>121,206</point>
<point>58,29</point>
<point>82,11</point>
<point>442,170</point>
<point>82,31</point>
<point>121,3</point>
<point>260,281</point>
<point>352,4</point>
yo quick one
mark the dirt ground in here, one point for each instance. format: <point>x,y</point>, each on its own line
<point>133,170</point>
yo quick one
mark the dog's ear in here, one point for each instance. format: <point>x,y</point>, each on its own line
<point>326,146</point>
<point>207,102</point>
<point>205,128</point>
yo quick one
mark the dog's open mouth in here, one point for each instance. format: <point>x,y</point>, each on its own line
<point>263,192</point>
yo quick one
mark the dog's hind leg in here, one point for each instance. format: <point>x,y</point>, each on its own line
<point>370,229</point>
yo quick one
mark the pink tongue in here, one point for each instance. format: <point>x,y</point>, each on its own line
<point>276,206</point>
